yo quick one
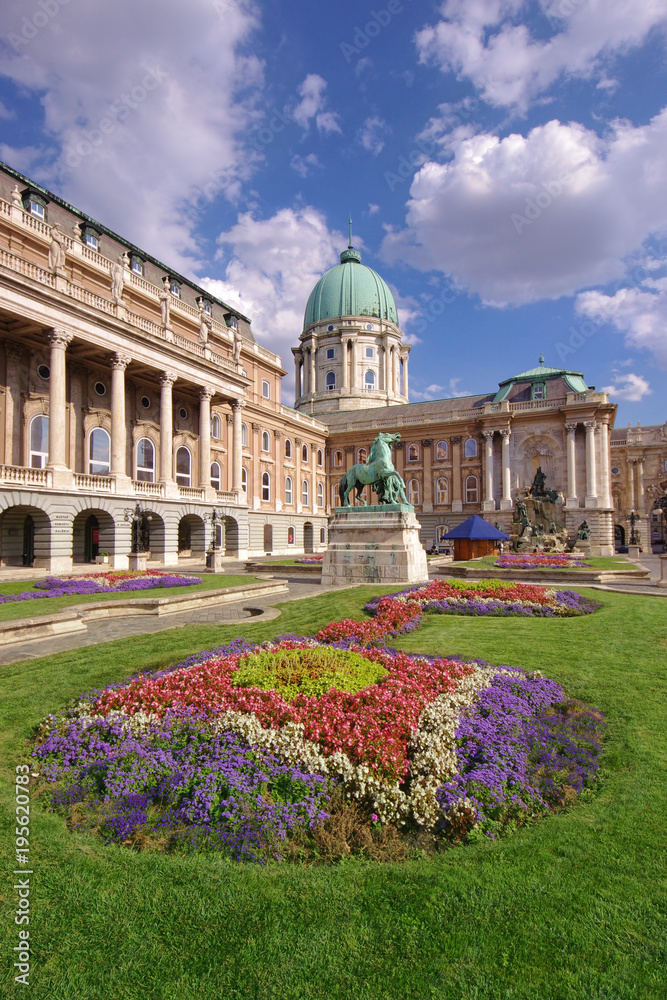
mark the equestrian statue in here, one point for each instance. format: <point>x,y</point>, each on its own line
<point>378,472</point>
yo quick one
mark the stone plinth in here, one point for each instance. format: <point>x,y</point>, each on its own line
<point>374,544</point>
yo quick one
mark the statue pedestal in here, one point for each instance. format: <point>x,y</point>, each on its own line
<point>374,544</point>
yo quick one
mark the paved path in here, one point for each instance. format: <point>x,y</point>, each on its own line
<point>300,588</point>
<point>121,628</point>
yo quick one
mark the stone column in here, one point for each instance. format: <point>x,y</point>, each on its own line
<point>257,470</point>
<point>237,445</point>
<point>489,502</point>
<point>427,454</point>
<point>572,498</point>
<point>313,367</point>
<point>344,371</point>
<point>605,482</point>
<point>394,372</point>
<point>404,389</point>
<point>386,363</point>
<point>506,501</point>
<point>205,395</point>
<point>76,377</point>
<point>59,339</point>
<point>13,421</point>
<point>167,380</point>
<point>298,366</point>
<point>641,498</point>
<point>119,363</point>
<point>631,483</point>
<point>591,474</point>
<point>297,475</point>
<point>457,503</point>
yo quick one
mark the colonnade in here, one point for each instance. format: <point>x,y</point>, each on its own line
<point>489,502</point>
<point>59,340</point>
<point>597,479</point>
<point>351,366</point>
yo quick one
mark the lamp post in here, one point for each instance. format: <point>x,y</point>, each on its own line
<point>632,519</point>
<point>215,554</point>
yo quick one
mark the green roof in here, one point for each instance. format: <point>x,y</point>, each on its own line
<point>350,289</point>
<point>574,380</point>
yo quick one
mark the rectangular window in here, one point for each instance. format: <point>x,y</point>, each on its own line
<point>266,390</point>
<point>37,210</point>
<point>369,352</point>
<point>137,265</point>
<point>331,353</point>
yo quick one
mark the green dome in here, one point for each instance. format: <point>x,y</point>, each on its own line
<point>350,289</point>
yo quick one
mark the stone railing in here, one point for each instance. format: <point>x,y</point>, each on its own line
<point>191,492</point>
<point>18,475</point>
<point>148,489</point>
<point>539,404</point>
<point>94,484</point>
<point>227,496</point>
<point>91,298</point>
<point>27,268</point>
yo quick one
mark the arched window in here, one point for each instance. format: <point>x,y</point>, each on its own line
<point>183,467</point>
<point>266,486</point>
<point>288,489</point>
<point>145,461</point>
<point>99,452</point>
<point>441,451</point>
<point>304,453</point>
<point>470,448</point>
<point>413,492</point>
<point>320,457</point>
<point>472,489</point>
<point>305,493</point>
<point>266,390</point>
<point>369,380</point>
<point>323,536</point>
<point>330,381</point>
<point>413,453</point>
<point>362,455</point>
<point>290,535</point>
<point>338,458</point>
<point>442,491</point>
<point>244,479</point>
<point>216,427</point>
<point>266,441</point>
<point>39,442</point>
<point>215,475</point>
<point>320,495</point>
<point>244,435</point>
<point>288,448</point>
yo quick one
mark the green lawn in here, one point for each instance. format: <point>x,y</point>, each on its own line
<point>596,563</point>
<point>571,908</point>
<point>49,605</point>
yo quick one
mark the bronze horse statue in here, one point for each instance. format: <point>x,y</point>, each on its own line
<point>378,472</point>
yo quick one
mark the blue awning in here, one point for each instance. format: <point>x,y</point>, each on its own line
<point>476,527</point>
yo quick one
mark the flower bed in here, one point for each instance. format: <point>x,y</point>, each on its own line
<point>540,560</point>
<point>101,583</point>
<point>248,749</point>
<point>310,560</point>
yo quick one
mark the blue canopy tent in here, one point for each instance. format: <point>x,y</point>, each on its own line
<point>475,537</point>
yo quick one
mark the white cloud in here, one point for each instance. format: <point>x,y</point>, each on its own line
<point>373,209</point>
<point>273,267</point>
<point>372,133</point>
<point>156,96</point>
<point>489,43</point>
<point>639,313</point>
<point>304,164</point>
<point>631,388</point>
<point>311,106</point>
<point>448,391</point>
<point>5,112</point>
<point>524,218</point>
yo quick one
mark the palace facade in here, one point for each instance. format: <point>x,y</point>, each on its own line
<point>138,409</point>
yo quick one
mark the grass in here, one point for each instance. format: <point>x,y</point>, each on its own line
<point>50,605</point>
<point>597,563</point>
<point>571,908</point>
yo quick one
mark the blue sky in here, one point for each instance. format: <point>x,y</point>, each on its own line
<point>504,162</point>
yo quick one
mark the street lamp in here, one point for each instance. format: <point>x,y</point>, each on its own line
<point>632,519</point>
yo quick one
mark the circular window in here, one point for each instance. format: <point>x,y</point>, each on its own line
<point>183,413</point>
<point>330,327</point>
<point>615,470</point>
<point>145,402</point>
<point>100,389</point>
<point>369,326</point>
<point>44,372</point>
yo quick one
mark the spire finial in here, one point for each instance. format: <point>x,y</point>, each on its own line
<point>349,246</point>
<point>541,359</point>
